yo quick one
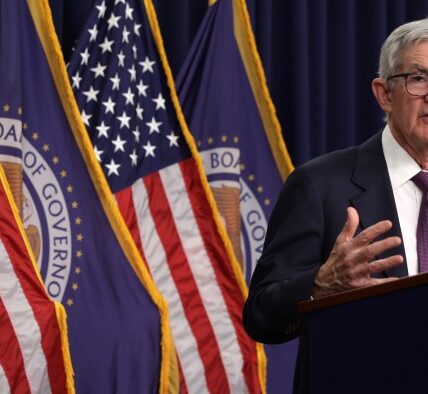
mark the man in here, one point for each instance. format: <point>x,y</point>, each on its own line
<point>340,219</point>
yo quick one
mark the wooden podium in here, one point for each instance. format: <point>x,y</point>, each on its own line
<point>370,340</point>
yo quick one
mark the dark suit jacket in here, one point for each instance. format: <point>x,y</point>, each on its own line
<point>308,217</point>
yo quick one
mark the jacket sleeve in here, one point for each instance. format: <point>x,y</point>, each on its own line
<point>290,260</point>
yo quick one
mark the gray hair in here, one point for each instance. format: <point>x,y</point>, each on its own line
<point>401,39</point>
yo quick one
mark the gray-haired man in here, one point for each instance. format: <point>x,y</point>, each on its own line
<point>349,219</point>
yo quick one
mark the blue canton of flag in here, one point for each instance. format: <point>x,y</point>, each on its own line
<point>121,96</point>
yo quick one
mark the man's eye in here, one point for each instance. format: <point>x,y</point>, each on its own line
<point>419,78</point>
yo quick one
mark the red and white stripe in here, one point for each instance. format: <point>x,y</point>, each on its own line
<point>23,330</point>
<point>171,222</point>
<point>4,384</point>
<point>30,342</point>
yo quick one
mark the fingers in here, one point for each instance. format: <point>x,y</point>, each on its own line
<point>377,266</point>
<point>366,236</point>
<point>369,252</point>
<point>385,264</point>
<point>350,263</point>
<point>350,226</point>
<point>371,233</point>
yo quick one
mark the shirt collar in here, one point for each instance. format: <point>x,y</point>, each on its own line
<point>401,166</point>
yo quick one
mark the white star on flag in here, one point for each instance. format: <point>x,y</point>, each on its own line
<point>173,139</point>
<point>91,94</point>
<point>137,133</point>
<point>160,102</point>
<point>102,9</point>
<point>137,28</point>
<point>85,117</point>
<point>102,130</point>
<point>132,72</point>
<point>125,35</point>
<point>116,82</point>
<point>150,149</point>
<point>85,57</point>
<point>113,21</point>
<point>76,80</point>
<point>121,57</point>
<point>98,70</point>
<point>109,104</point>
<point>93,32</point>
<point>129,96</point>
<point>124,120</point>
<point>147,65</point>
<point>106,45</point>
<point>113,168</point>
<point>142,88</point>
<point>154,126</point>
<point>128,12</point>
<point>119,144</point>
<point>139,111</point>
<point>134,158</point>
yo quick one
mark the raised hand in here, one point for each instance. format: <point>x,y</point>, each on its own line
<point>351,262</point>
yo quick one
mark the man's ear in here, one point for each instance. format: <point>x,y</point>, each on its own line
<point>382,95</point>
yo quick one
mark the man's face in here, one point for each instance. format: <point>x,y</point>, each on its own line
<point>409,114</point>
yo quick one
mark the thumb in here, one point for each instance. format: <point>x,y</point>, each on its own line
<point>351,225</point>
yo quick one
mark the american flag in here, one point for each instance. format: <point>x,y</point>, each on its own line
<point>121,89</point>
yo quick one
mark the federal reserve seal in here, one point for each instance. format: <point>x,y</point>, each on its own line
<point>239,199</point>
<point>47,221</point>
<point>44,198</point>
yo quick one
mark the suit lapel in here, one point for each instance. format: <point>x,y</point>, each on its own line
<point>376,201</point>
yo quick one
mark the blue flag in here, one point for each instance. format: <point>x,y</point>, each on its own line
<point>118,329</point>
<point>226,103</point>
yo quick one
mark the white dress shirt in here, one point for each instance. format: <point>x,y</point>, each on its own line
<point>401,168</point>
